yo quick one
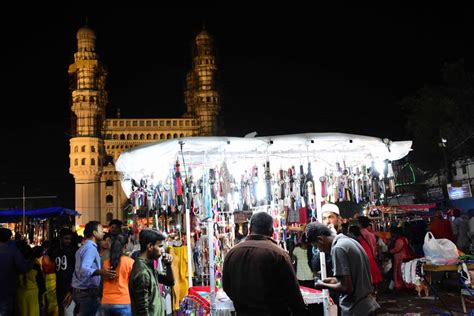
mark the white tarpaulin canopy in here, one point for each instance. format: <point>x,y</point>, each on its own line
<point>155,160</point>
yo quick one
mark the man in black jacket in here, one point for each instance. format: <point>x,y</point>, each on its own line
<point>258,275</point>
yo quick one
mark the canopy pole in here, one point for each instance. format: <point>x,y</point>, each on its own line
<point>187,206</point>
<point>188,242</point>
<point>212,280</point>
<point>322,255</point>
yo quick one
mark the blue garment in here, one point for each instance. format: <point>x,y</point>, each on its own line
<point>11,263</point>
<point>116,309</point>
<point>87,261</point>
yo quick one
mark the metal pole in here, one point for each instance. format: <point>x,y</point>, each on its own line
<point>212,281</point>
<point>322,255</point>
<point>188,242</point>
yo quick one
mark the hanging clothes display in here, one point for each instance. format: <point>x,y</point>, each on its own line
<point>205,189</point>
<point>180,272</point>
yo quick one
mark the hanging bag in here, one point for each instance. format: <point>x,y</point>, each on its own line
<point>439,248</point>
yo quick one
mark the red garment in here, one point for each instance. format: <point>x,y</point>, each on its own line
<point>374,267</point>
<point>371,240</point>
<point>48,265</point>
<point>401,252</point>
<point>441,228</point>
<point>303,215</point>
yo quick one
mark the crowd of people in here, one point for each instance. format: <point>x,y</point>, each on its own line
<point>262,279</point>
<point>101,274</point>
<point>96,275</point>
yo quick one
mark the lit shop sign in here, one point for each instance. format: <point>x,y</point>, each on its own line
<point>459,190</point>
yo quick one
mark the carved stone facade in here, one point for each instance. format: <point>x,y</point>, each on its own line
<point>97,141</point>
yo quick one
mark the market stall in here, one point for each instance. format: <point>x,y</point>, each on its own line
<point>205,188</point>
<point>40,223</point>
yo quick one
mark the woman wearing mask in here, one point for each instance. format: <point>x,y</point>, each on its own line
<point>115,295</point>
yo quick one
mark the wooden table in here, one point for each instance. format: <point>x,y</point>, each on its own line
<point>430,268</point>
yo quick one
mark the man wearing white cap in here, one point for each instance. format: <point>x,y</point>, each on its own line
<point>331,217</point>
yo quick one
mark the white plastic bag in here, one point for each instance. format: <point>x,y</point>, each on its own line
<point>439,248</point>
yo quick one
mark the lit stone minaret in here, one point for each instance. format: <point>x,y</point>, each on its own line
<point>201,96</point>
<point>89,99</point>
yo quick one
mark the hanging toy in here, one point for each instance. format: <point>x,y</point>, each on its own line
<point>268,185</point>
<point>178,185</point>
<point>358,185</point>
<point>310,192</point>
<point>391,178</point>
<point>254,197</point>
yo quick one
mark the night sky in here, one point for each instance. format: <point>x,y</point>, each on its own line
<point>284,70</point>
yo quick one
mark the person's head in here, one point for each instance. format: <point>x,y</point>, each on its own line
<point>355,230</point>
<point>396,231</point>
<point>94,230</point>
<point>439,214</point>
<point>38,251</point>
<point>319,236</point>
<point>5,234</point>
<point>151,243</point>
<point>364,221</point>
<point>116,250</point>
<point>331,215</point>
<point>115,227</point>
<point>66,236</point>
<point>261,223</point>
<point>105,242</point>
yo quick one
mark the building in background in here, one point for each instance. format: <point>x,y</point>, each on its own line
<point>97,141</point>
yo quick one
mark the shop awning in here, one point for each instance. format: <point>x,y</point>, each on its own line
<point>152,161</point>
<point>38,214</point>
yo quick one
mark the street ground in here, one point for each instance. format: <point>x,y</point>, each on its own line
<point>444,299</point>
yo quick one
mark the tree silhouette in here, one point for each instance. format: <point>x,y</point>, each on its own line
<point>442,112</point>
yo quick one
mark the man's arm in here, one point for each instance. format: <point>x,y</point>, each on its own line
<point>339,284</point>
<point>168,278</point>
<point>141,285</point>
<point>342,282</point>
<point>88,269</point>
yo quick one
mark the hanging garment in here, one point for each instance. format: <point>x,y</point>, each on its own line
<point>303,215</point>
<point>180,273</point>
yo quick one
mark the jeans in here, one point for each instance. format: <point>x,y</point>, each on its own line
<point>117,310</point>
<point>87,301</point>
<point>6,306</point>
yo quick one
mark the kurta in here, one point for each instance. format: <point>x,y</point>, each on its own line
<point>400,251</point>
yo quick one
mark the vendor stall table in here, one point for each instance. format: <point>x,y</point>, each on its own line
<point>201,297</point>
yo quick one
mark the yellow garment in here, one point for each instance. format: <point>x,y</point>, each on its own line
<point>27,303</point>
<point>51,300</point>
<point>180,273</point>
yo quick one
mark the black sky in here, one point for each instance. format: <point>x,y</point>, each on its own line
<point>340,68</point>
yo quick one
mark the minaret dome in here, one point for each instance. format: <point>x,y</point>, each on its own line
<point>203,38</point>
<point>85,39</point>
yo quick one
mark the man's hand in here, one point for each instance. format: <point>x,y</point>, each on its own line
<point>108,273</point>
<point>322,284</point>
<point>319,285</point>
<point>67,300</point>
<point>167,259</point>
<point>330,280</point>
